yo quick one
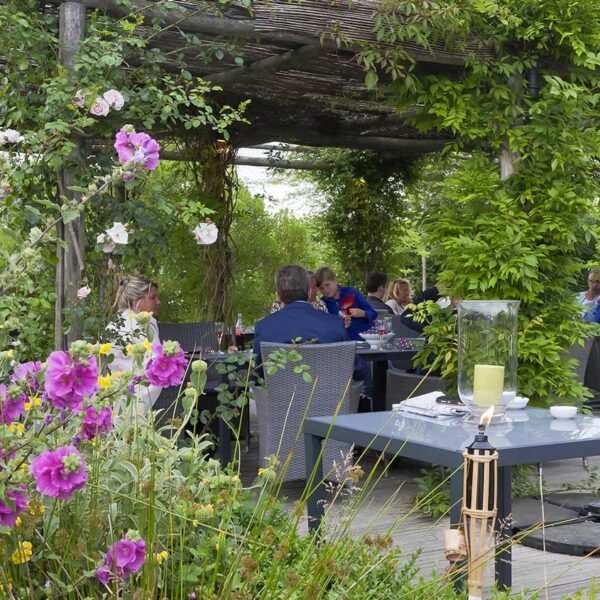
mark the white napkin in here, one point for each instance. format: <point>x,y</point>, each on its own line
<point>426,405</point>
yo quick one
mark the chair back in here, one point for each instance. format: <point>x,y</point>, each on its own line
<point>401,330</point>
<point>282,405</point>
<point>190,336</point>
<point>582,355</point>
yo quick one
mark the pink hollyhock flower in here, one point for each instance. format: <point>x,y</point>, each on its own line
<point>17,503</point>
<point>100,107</point>
<point>96,423</point>
<point>25,374</point>
<point>137,148</point>
<point>123,559</point>
<point>167,367</point>
<point>59,473</point>
<point>68,380</point>
<point>114,99</point>
<point>12,404</point>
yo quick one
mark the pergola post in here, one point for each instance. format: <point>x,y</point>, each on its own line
<point>70,237</point>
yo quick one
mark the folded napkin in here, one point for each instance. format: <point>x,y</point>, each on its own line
<point>426,405</point>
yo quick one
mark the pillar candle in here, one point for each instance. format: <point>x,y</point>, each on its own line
<point>488,384</point>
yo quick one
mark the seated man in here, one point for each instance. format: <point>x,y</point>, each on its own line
<point>375,285</point>
<point>298,319</point>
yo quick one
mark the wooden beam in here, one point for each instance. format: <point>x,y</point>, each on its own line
<point>273,64</point>
<point>71,237</point>
<point>265,162</point>
<point>309,137</point>
<point>190,21</point>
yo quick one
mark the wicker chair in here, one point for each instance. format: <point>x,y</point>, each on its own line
<point>400,385</point>
<point>190,336</point>
<point>281,404</point>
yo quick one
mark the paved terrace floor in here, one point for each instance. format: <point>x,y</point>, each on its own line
<point>554,576</point>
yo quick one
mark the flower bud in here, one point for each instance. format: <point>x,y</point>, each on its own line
<point>199,366</point>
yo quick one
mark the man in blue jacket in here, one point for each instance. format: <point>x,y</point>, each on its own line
<point>297,321</point>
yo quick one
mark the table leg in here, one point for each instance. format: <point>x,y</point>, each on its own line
<point>314,480</point>
<point>224,443</point>
<point>379,384</point>
<point>456,494</point>
<point>504,548</point>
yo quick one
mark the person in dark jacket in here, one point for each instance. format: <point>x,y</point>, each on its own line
<point>298,320</point>
<point>375,285</point>
<point>408,317</point>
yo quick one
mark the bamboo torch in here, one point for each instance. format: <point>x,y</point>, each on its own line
<point>479,505</point>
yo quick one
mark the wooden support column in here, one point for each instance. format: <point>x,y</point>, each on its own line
<point>71,237</point>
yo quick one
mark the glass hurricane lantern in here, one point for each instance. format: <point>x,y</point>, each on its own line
<point>487,356</point>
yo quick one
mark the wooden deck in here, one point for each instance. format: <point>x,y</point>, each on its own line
<point>554,576</point>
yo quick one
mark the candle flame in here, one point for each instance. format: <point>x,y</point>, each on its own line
<point>486,417</point>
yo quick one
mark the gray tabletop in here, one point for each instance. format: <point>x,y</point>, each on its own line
<point>533,436</point>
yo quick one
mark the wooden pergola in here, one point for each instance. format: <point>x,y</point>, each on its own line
<point>300,70</point>
<point>297,63</point>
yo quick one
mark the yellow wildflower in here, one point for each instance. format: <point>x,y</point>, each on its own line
<point>129,349</point>
<point>195,523</point>
<point>105,348</point>
<point>147,345</point>
<point>18,521</point>
<point>104,381</point>
<point>34,401</point>
<point>27,406</point>
<point>235,479</point>
<point>161,557</point>
<point>22,554</point>
<point>36,508</point>
<point>262,471</point>
<point>9,353</point>
<point>18,428</point>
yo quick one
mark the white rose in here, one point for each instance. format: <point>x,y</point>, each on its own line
<point>83,292</point>
<point>206,233</point>
<point>118,233</point>
<point>10,136</point>
<point>80,98</point>
<point>100,107</point>
<point>108,244</point>
<point>114,99</point>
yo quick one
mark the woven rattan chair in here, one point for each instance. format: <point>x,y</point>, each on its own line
<point>282,403</point>
<point>400,385</point>
<point>191,336</point>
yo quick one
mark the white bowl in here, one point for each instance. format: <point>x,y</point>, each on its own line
<point>517,403</point>
<point>563,412</point>
<point>375,338</point>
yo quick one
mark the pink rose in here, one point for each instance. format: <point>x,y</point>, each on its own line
<point>100,107</point>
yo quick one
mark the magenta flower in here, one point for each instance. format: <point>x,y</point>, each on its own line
<point>68,380</point>
<point>25,374</point>
<point>17,503</point>
<point>96,423</point>
<point>60,473</point>
<point>167,367</point>
<point>12,404</point>
<point>137,148</point>
<point>123,559</point>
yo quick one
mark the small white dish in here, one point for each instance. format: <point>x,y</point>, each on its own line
<point>518,403</point>
<point>563,412</point>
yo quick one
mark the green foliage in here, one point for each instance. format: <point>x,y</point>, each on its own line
<point>523,236</point>
<point>364,208</point>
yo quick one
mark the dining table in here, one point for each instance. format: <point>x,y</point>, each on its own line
<point>380,357</point>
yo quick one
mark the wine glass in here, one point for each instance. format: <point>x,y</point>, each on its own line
<point>220,330</point>
<point>380,328</point>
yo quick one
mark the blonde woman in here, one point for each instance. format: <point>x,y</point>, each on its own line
<point>398,295</point>
<point>135,296</point>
